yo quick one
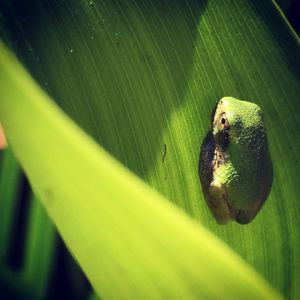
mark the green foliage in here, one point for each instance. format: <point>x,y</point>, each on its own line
<point>129,240</point>
<point>138,75</point>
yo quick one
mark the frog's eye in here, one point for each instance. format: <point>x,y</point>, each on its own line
<point>223,121</point>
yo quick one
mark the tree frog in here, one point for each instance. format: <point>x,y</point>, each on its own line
<point>235,167</point>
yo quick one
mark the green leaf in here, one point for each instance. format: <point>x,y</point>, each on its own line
<point>138,75</point>
<point>129,240</point>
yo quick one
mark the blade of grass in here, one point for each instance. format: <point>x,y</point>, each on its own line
<point>10,175</point>
<point>39,260</point>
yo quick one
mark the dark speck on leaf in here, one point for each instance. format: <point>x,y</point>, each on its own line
<point>164,153</point>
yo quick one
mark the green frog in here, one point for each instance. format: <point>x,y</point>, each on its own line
<point>235,167</point>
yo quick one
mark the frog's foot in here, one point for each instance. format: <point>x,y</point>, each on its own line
<point>218,203</point>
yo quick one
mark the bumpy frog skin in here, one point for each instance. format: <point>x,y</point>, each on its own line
<point>235,167</point>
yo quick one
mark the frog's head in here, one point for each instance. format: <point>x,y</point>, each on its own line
<point>236,123</point>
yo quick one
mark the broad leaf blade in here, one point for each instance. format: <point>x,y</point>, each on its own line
<point>105,213</point>
<point>138,75</point>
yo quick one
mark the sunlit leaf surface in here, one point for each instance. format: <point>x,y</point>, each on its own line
<point>142,78</point>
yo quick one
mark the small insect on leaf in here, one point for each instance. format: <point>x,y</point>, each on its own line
<point>235,167</point>
<point>164,153</point>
